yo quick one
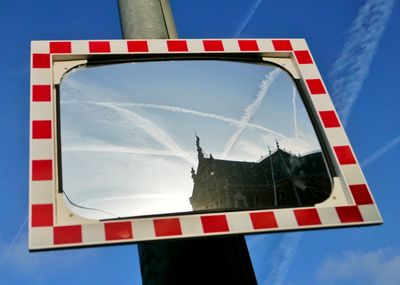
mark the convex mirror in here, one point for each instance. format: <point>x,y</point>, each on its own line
<point>176,136</point>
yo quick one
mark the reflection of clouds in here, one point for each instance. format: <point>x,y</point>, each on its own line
<point>116,149</point>
<point>294,95</point>
<point>251,109</point>
<point>300,145</point>
<point>259,149</point>
<point>246,147</point>
<point>123,184</point>
<point>115,173</point>
<point>72,89</point>
<point>195,113</point>
<point>255,148</point>
<point>142,203</point>
<point>151,129</point>
<point>123,156</point>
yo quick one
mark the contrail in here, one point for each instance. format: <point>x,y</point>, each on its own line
<point>381,151</point>
<point>296,132</point>
<point>117,149</point>
<point>287,249</point>
<point>250,15</point>
<point>349,72</point>
<point>181,110</point>
<point>169,196</point>
<point>7,250</point>
<point>153,130</point>
<point>352,67</point>
<point>251,109</point>
<point>196,113</point>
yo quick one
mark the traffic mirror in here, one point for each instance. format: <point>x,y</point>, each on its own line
<point>153,139</point>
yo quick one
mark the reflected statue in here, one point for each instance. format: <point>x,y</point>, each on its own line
<point>200,153</point>
<point>193,173</point>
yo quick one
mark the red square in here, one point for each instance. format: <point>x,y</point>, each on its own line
<point>282,45</point>
<point>213,224</point>
<point>60,47</point>
<point>167,227</point>
<point>263,220</point>
<point>41,93</point>
<point>213,45</point>
<point>349,214</point>
<point>42,170</point>
<point>177,45</point>
<point>315,86</point>
<point>67,234</point>
<point>307,217</point>
<point>41,60</point>
<point>42,215</point>
<point>248,45</point>
<point>329,119</point>
<point>138,46</point>
<point>99,47</point>
<point>344,154</point>
<point>118,230</point>
<point>361,194</point>
<point>41,129</point>
<point>303,57</point>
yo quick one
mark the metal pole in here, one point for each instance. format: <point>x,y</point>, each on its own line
<point>221,260</point>
<point>146,19</point>
<point>169,19</point>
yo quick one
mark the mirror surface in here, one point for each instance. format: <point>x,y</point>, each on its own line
<point>151,138</point>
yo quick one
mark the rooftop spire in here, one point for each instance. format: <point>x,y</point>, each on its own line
<point>200,153</point>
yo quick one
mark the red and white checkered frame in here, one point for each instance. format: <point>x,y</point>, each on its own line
<point>49,226</point>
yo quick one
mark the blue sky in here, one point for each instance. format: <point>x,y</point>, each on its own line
<point>364,88</point>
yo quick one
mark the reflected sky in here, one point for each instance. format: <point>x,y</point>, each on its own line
<point>128,130</point>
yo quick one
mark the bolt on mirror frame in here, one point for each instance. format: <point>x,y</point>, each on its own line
<point>53,225</point>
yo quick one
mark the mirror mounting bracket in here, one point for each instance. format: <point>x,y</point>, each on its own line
<point>60,68</point>
<point>286,63</point>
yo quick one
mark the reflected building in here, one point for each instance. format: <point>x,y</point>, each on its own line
<point>280,179</point>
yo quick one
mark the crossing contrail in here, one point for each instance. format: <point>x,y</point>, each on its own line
<point>153,130</point>
<point>200,114</point>
<point>176,109</point>
<point>251,109</point>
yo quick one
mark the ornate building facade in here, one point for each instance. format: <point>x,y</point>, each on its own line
<point>278,180</point>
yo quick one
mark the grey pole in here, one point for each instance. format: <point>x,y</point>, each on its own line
<point>222,260</point>
<point>146,19</point>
